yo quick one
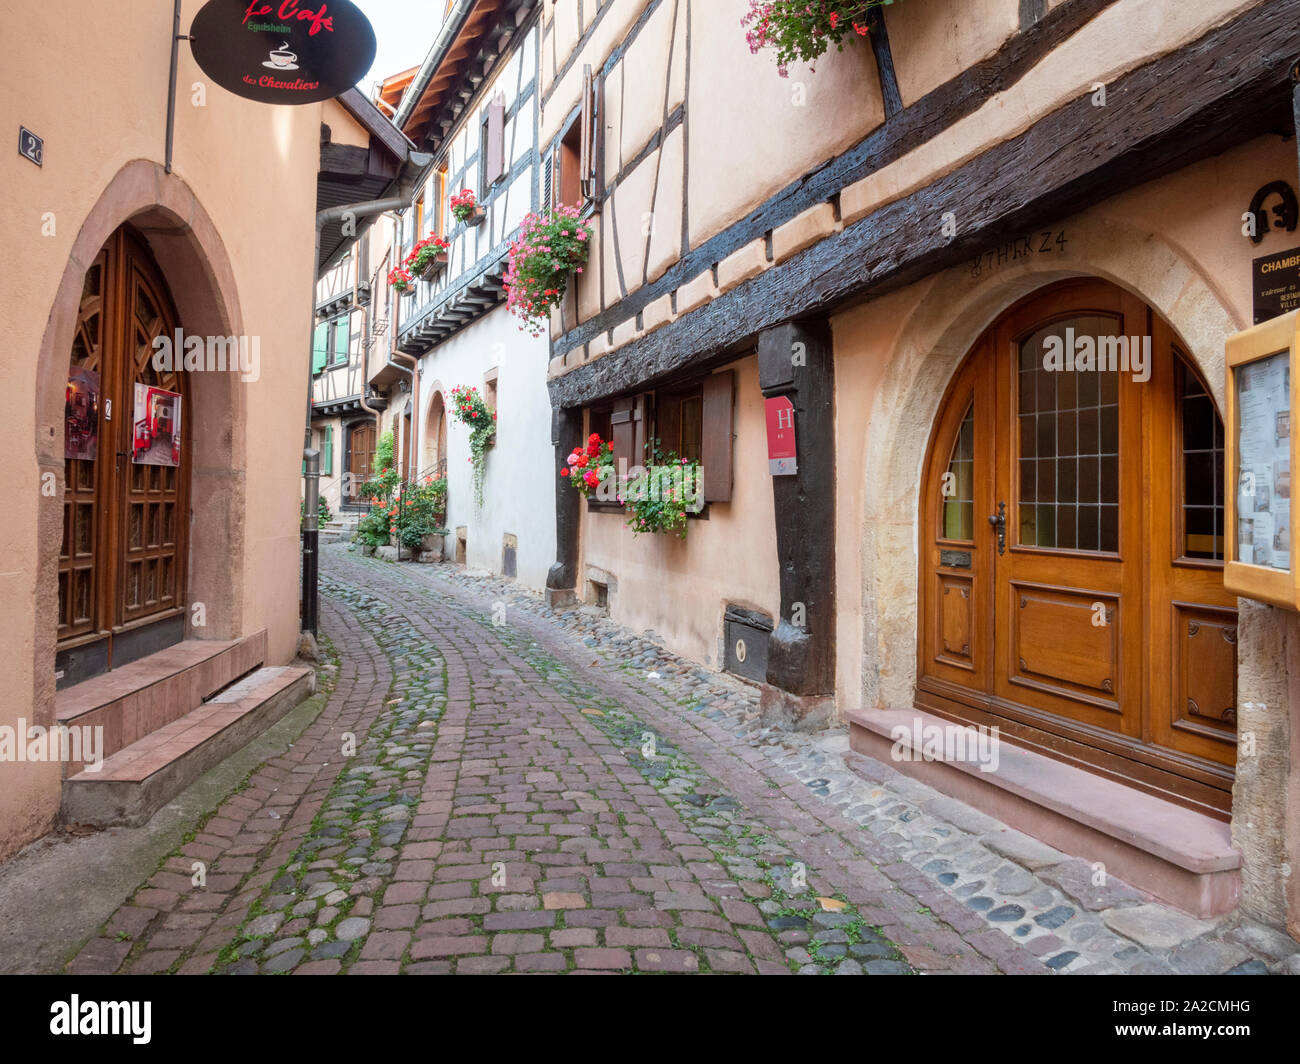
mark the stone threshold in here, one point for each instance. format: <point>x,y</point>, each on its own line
<point>139,698</point>
<point>1182,857</point>
<point>128,787</point>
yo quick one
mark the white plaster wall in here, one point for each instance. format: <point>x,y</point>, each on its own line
<point>519,492</point>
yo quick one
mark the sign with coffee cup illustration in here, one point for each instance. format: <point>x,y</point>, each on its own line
<point>283,51</point>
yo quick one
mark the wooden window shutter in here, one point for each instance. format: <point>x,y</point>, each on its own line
<point>623,428</point>
<point>640,423</point>
<point>320,347</point>
<point>587,156</point>
<point>716,444</point>
<point>327,458</point>
<point>548,182</point>
<point>496,140</point>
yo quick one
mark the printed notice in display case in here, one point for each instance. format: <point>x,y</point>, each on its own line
<point>1261,453</point>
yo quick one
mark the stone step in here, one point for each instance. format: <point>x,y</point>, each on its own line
<point>132,784</point>
<point>130,702</point>
<point>1180,856</point>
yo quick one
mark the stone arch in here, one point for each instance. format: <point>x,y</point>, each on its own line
<point>192,257</point>
<point>932,343</point>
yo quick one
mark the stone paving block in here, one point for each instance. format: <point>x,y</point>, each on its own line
<point>493,753</point>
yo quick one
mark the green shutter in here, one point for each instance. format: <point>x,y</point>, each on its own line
<point>327,459</point>
<point>320,347</point>
<point>339,347</point>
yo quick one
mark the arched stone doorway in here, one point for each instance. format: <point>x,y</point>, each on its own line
<point>1071,546</point>
<point>123,561</point>
<point>188,257</point>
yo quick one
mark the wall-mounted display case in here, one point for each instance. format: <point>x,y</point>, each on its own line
<point>1261,452</point>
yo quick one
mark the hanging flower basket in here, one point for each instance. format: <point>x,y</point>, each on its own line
<point>800,31</point>
<point>548,248</point>
<point>466,208</point>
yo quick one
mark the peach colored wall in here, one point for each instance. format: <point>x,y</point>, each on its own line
<point>930,40</point>
<point>1193,216</point>
<point>1178,244</point>
<point>251,171</point>
<point>739,109</point>
<point>679,589</point>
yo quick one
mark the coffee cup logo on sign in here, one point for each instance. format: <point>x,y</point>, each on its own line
<point>282,59</point>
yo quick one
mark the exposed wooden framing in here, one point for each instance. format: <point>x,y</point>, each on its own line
<point>911,127</point>
<point>1219,91</point>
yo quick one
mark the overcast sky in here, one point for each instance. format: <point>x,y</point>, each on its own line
<point>405,29</point>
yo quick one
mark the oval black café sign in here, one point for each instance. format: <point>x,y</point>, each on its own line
<point>283,51</point>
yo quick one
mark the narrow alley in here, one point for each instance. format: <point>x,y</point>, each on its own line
<point>542,792</point>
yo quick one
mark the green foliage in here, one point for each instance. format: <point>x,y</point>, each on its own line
<point>373,529</point>
<point>469,408</point>
<point>668,490</point>
<point>383,483</point>
<point>421,509</point>
<point>323,514</point>
<point>548,246</point>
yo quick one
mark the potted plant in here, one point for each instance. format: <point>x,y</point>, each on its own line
<point>372,530</point>
<point>469,408</point>
<point>428,258</point>
<point>466,208</point>
<point>417,521</point>
<point>547,249</point>
<point>800,31</point>
<point>399,278</point>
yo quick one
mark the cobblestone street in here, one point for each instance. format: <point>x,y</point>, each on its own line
<point>492,787</point>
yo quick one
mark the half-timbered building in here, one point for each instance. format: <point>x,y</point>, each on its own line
<point>892,245</point>
<point>472,104</point>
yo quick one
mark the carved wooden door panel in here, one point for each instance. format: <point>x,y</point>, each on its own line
<point>1072,547</point>
<point>1068,468</point>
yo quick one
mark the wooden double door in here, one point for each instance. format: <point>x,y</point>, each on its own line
<point>361,460</point>
<point>1072,547</point>
<point>124,557</point>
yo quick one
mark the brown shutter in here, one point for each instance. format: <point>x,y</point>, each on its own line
<point>587,158</point>
<point>716,446</point>
<point>640,422</point>
<point>623,430</point>
<point>496,140</point>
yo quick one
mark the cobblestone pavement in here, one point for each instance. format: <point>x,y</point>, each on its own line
<point>496,787</point>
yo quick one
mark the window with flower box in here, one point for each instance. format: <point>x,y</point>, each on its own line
<point>694,421</point>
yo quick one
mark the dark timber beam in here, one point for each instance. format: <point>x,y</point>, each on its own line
<point>1218,92</point>
<point>562,580</point>
<point>798,361</point>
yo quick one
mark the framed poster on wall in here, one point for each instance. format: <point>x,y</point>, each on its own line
<point>1261,390</point>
